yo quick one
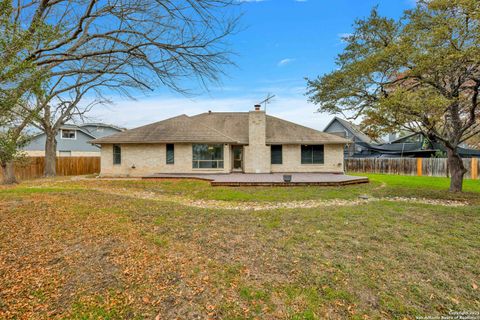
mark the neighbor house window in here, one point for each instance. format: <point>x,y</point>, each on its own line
<point>276,154</point>
<point>69,134</point>
<point>117,154</point>
<point>65,153</point>
<point>170,154</point>
<point>207,156</point>
<point>312,154</point>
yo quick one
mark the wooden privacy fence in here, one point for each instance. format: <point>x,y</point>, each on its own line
<point>66,166</point>
<point>433,167</point>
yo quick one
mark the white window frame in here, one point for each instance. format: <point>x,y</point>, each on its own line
<point>119,154</point>
<point>220,163</point>
<point>61,134</point>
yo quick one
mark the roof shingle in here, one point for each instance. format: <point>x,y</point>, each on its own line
<point>220,127</point>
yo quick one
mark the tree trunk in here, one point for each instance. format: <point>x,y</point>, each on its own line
<point>50,169</point>
<point>457,170</point>
<point>8,170</point>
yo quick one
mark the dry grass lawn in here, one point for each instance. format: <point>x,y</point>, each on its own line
<point>70,249</point>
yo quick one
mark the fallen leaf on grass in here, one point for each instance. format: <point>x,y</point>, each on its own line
<point>210,307</point>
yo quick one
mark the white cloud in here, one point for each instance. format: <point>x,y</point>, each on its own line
<point>285,61</point>
<point>132,114</point>
<point>342,36</point>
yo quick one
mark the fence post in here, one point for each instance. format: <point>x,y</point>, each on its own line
<point>419,167</point>
<point>474,168</point>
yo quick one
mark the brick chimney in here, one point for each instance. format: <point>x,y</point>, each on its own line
<point>257,153</point>
<point>257,127</point>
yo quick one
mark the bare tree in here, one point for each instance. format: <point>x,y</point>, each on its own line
<point>172,38</point>
<point>64,100</point>
<point>142,43</point>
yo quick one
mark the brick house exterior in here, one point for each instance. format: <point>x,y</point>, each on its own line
<point>221,142</point>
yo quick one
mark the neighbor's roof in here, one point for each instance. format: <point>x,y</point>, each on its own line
<point>100,124</point>
<point>400,139</point>
<point>82,128</point>
<point>220,127</point>
<point>67,126</point>
<point>355,130</point>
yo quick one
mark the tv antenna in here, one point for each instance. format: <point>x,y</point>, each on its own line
<point>267,100</point>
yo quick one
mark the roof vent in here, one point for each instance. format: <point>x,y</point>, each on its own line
<point>257,107</point>
<point>209,111</point>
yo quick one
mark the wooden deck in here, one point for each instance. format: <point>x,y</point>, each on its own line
<point>267,179</point>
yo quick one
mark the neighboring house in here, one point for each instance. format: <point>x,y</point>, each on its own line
<point>413,145</point>
<point>223,142</point>
<point>409,146</point>
<point>73,140</point>
<point>350,131</point>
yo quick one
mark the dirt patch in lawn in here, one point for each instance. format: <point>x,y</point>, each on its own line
<point>247,206</point>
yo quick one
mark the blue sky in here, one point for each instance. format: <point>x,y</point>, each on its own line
<point>281,43</point>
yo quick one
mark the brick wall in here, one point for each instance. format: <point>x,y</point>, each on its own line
<point>151,158</point>
<point>291,161</point>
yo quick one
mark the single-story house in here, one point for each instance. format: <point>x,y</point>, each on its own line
<point>73,140</point>
<point>221,142</point>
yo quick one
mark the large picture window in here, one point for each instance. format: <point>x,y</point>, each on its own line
<point>276,154</point>
<point>117,154</point>
<point>170,153</point>
<point>312,154</point>
<point>207,156</point>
